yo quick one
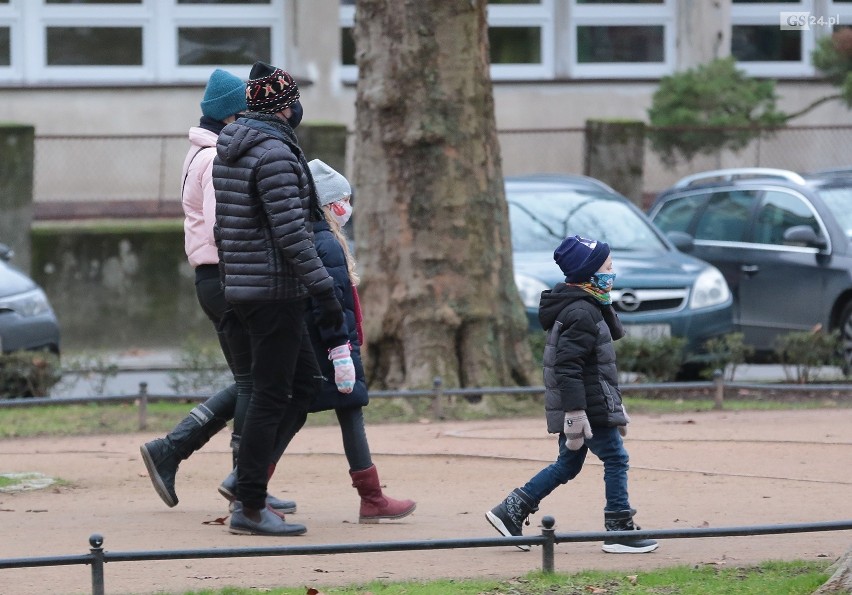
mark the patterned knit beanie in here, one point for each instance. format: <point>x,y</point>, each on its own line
<point>580,258</point>
<point>224,96</point>
<point>270,89</point>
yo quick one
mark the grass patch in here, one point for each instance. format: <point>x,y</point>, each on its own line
<point>788,578</point>
<point>121,418</point>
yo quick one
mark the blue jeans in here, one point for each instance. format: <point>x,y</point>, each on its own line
<point>607,445</point>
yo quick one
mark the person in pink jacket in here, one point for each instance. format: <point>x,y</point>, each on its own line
<point>224,100</point>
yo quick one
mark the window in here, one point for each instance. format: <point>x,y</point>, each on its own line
<point>779,212</point>
<point>520,35</point>
<point>5,47</point>
<point>762,48</point>
<point>726,217</point>
<point>634,40</point>
<point>137,41</point>
<point>677,214</point>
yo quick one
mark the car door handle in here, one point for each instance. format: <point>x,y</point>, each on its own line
<point>749,269</point>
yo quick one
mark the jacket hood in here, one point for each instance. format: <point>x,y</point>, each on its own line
<point>237,138</point>
<point>201,137</point>
<point>553,301</point>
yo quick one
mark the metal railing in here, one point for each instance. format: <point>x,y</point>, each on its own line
<point>98,557</point>
<point>439,395</point>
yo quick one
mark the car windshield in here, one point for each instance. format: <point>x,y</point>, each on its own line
<point>839,202</point>
<point>540,219</point>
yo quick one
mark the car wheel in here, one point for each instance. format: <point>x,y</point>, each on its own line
<point>846,339</point>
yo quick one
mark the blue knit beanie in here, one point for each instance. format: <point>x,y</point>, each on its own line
<point>224,96</point>
<point>580,258</point>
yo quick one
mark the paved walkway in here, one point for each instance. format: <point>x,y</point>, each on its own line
<point>692,470</point>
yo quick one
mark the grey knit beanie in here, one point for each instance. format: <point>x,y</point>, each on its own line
<point>331,186</point>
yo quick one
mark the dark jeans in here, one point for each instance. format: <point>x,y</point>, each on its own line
<point>607,445</point>
<point>285,376</point>
<point>236,346</point>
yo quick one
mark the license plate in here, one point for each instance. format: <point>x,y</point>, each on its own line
<point>648,331</point>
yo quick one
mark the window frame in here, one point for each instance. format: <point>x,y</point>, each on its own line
<point>768,14</point>
<point>631,15</point>
<point>499,15</point>
<point>159,21</point>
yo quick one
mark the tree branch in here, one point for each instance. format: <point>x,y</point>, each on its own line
<point>812,106</point>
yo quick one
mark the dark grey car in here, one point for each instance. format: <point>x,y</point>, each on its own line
<point>782,240</point>
<point>27,322</point>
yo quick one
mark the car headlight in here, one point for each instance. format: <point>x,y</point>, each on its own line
<point>710,289</point>
<point>31,303</point>
<point>530,289</point>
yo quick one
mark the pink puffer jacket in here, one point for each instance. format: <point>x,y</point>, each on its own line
<point>199,198</point>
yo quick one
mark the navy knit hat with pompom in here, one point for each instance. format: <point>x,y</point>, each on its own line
<point>225,95</point>
<point>580,258</point>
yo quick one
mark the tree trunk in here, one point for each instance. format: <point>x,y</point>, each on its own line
<point>432,236</point>
<point>841,579</point>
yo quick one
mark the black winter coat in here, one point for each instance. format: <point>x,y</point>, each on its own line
<point>263,205</point>
<point>579,358</point>
<point>325,338</point>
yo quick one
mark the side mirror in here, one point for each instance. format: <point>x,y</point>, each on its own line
<point>6,253</point>
<point>682,241</point>
<point>806,236</point>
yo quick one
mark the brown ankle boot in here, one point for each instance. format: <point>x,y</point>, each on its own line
<point>374,504</point>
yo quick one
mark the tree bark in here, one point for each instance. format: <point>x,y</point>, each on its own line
<point>432,236</point>
<point>841,578</point>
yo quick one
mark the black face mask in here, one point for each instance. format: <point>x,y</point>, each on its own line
<point>296,116</point>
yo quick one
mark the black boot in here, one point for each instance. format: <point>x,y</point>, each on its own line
<point>623,521</point>
<point>163,455</point>
<point>509,516</point>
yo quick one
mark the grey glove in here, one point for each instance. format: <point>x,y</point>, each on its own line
<point>576,429</point>
<point>331,314</point>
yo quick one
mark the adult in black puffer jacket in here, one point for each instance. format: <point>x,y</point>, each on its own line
<point>582,401</point>
<point>264,206</point>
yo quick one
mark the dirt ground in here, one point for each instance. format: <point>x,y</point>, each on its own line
<point>687,470</point>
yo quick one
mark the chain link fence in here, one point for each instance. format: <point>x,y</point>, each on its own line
<point>109,170</point>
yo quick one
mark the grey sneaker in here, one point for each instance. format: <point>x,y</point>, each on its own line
<point>269,524</point>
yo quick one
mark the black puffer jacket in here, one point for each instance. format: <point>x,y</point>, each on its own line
<point>579,358</point>
<point>263,205</point>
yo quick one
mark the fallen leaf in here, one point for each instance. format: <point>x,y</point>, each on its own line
<point>597,590</point>
<point>219,521</point>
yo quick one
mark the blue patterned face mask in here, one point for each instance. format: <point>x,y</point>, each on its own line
<point>603,281</point>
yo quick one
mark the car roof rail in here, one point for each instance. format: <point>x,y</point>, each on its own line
<point>741,172</point>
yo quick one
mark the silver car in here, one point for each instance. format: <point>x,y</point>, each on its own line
<point>27,322</point>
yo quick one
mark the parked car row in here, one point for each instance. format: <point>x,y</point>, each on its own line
<point>756,250</point>
<point>782,240</point>
<point>658,291</point>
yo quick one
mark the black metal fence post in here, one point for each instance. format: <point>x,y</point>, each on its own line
<point>548,531</point>
<point>719,382</point>
<point>437,400</point>
<point>96,541</point>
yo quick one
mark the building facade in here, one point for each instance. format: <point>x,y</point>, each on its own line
<point>127,67</point>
